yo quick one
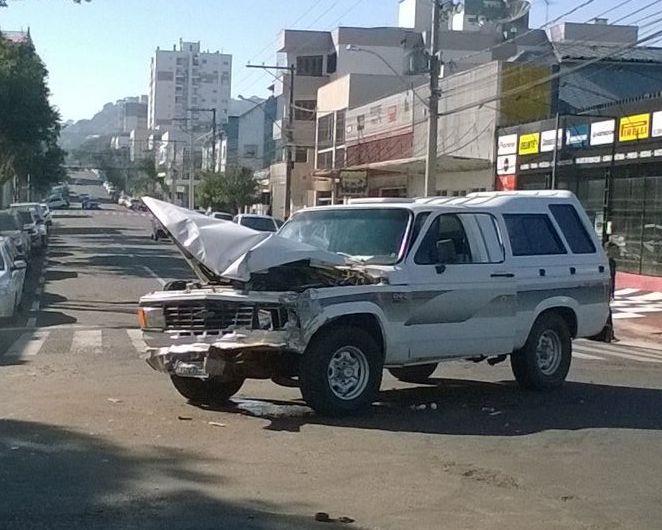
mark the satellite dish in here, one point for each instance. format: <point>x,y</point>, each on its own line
<point>515,10</point>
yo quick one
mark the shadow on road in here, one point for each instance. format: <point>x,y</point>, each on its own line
<point>56,478</point>
<point>464,407</point>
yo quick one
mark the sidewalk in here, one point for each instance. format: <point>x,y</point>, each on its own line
<point>637,317</point>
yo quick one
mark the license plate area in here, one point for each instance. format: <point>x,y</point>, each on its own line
<point>191,369</point>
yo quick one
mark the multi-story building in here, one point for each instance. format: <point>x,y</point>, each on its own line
<point>184,79</point>
<point>185,85</point>
<point>133,113</point>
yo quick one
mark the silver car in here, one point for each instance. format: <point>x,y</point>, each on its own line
<point>12,278</point>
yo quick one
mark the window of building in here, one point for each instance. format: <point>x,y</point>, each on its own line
<point>180,61</point>
<point>324,160</point>
<point>310,65</point>
<point>340,127</point>
<point>225,78</point>
<point>376,115</point>
<point>164,75</point>
<point>360,122</point>
<point>571,225</point>
<point>331,63</point>
<point>304,109</point>
<point>532,235</point>
<point>325,131</point>
<point>301,155</point>
<point>250,151</point>
<point>340,159</point>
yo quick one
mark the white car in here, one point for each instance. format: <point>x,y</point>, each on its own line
<point>12,277</point>
<point>262,223</point>
<point>341,292</point>
<point>56,202</point>
<point>223,216</point>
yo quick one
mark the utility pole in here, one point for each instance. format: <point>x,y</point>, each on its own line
<point>433,106</point>
<point>289,133</point>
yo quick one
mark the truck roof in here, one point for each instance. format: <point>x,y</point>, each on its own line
<point>505,201</point>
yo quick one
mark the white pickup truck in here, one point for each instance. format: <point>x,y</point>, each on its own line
<point>342,292</point>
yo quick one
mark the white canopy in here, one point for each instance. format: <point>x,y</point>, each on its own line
<point>231,250</point>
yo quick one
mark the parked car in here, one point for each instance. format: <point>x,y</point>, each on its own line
<point>342,292</point>
<point>12,277</point>
<point>90,204</point>
<point>223,216</point>
<point>158,231</point>
<point>262,223</point>
<point>11,228</point>
<point>48,215</point>
<point>42,212</point>
<point>57,201</point>
<point>29,223</point>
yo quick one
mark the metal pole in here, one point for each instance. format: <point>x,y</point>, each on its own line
<point>555,154</point>
<point>213,140</point>
<point>290,140</point>
<point>433,108</point>
<point>191,187</point>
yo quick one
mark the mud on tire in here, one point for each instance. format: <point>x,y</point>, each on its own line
<point>206,391</point>
<point>341,371</point>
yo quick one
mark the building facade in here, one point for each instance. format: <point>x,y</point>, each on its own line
<point>611,159</point>
<point>186,78</point>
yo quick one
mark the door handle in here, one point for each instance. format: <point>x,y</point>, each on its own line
<point>502,275</point>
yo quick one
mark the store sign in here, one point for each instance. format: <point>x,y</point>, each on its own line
<point>507,145</point>
<point>577,135</point>
<point>506,183</point>
<point>547,140</point>
<point>353,182</point>
<point>657,125</point>
<point>529,144</point>
<point>602,132</point>
<point>506,164</point>
<point>634,127</point>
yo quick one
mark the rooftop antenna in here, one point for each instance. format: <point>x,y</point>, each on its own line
<point>547,4</point>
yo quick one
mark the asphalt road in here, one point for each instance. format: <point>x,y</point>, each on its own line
<point>90,436</point>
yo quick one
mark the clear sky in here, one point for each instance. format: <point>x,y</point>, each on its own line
<point>98,52</point>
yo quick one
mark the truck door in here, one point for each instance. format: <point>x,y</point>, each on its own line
<point>463,295</point>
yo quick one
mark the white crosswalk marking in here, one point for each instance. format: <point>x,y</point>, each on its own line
<point>586,349</point>
<point>136,336</point>
<point>27,345</point>
<point>87,341</point>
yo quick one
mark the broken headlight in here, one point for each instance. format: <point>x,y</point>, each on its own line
<point>151,318</point>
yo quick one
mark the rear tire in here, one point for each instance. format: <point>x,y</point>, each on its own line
<point>341,371</point>
<point>544,361</point>
<point>206,391</point>
<point>414,374</point>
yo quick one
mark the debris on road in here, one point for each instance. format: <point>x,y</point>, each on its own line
<point>322,517</point>
<point>185,418</point>
<point>115,400</point>
<point>216,424</point>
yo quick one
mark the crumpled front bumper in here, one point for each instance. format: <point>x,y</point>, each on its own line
<point>211,358</point>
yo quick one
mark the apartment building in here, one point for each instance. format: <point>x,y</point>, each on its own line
<point>187,78</point>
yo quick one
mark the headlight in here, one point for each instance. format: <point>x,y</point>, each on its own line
<point>151,318</point>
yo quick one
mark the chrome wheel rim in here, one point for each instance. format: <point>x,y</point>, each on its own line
<point>348,373</point>
<point>549,352</point>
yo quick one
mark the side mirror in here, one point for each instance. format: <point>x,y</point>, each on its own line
<point>446,252</point>
<point>20,265</point>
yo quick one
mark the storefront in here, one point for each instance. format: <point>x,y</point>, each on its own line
<point>613,165</point>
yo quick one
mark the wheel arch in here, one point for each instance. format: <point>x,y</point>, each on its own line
<point>367,321</point>
<point>568,314</point>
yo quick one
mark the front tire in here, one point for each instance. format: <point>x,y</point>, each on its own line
<point>414,374</point>
<point>341,371</point>
<point>206,391</point>
<point>544,361</point>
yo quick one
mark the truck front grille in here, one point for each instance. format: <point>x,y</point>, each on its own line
<point>218,316</point>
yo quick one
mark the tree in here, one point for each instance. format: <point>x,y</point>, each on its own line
<point>231,190</point>
<point>29,126</point>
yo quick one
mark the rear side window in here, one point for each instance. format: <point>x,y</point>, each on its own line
<point>532,235</point>
<point>573,229</point>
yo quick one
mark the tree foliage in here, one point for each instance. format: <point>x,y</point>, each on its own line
<point>29,126</point>
<point>229,191</point>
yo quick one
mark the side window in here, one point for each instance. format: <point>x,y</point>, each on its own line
<point>532,235</point>
<point>445,228</point>
<point>484,238</point>
<point>573,229</point>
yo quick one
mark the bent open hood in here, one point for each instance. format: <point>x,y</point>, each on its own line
<point>217,248</point>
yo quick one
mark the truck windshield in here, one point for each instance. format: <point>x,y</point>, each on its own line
<point>372,235</point>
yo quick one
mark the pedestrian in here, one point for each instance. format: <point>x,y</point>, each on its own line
<point>612,251</point>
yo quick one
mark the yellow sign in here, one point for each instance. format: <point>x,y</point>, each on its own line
<point>529,144</point>
<point>634,127</point>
